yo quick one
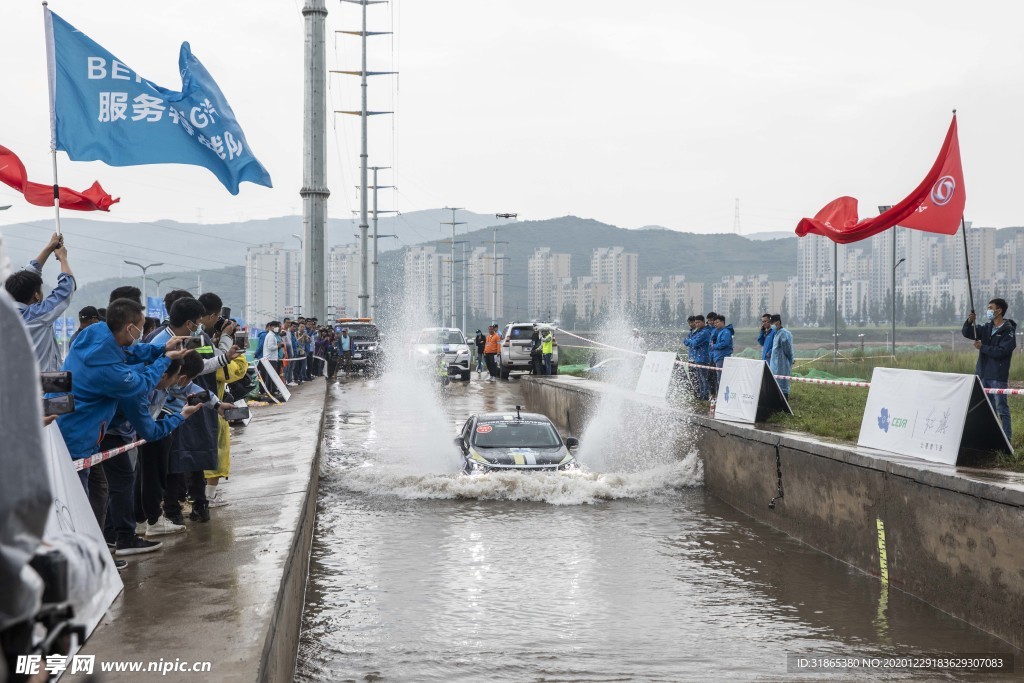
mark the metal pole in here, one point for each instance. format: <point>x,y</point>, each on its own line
<point>363,226</point>
<point>373,289</point>
<point>314,190</point>
<point>494,274</point>
<point>835,302</point>
<point>894,292</point>
<point>465,273</point>
<point>967,260</point>
<point>451,287</point>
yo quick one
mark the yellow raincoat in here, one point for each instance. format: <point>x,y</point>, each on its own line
<point>234,371</point>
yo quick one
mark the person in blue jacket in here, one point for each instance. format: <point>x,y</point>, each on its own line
<point>135,420</point>
<point>764,338</point>
<point>721,348</point>
<point>107,363</point>
<point>995,341</point>
<point>781,361</point>
<point>698,343</point>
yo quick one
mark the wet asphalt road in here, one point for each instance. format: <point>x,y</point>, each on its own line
<point>421,574</point>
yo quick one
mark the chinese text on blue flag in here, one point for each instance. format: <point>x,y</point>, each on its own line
<point>105,111</point>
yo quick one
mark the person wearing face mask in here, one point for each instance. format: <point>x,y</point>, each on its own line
<point>108,364</point>
<point>272,349</point>
<point>995,341</point>
<point>38,312</point>
<point>194,446</point>
<point>780,362</point>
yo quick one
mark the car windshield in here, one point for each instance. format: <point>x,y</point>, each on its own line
<point>516,434</point>
<point>441,337</point>
<point>361,331</point>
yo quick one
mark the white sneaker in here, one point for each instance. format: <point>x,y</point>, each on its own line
<point>217,499</point>
<point>293,384</point>
<point>164,526</point>
<point>141,528</point>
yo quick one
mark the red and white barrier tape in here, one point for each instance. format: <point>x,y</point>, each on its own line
<point>805,380</point>
<point>96,459</point>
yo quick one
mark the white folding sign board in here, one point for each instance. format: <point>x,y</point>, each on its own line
<point>656,373</point>
<point>71,514</point>
<point>747,391</point>
<point>275,379</point>
<point>929,415</point>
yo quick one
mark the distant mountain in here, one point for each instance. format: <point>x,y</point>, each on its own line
<point>96,249</point>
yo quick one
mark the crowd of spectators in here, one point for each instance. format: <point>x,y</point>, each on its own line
<point>167,382</point>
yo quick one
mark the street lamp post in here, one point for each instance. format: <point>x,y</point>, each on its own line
<point>894,298</point>
<point>145,301</point>
<point>159,281</point>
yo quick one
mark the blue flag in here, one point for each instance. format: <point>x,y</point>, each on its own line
<point>104,111</point>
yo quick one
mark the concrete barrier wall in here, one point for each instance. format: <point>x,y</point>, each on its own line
<point>954,537</point>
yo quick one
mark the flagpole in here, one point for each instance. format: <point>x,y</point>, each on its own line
<point>967,260</point>
<point>51,78</point>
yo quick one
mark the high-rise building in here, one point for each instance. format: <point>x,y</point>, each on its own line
<point>546,271</point>
<point>271,283</point>
<point>427,282</point>
<point>674,291</point>
<point>486,273</point>
<point>614,267</point>
<point>743,298</point>
<point>343,280</point>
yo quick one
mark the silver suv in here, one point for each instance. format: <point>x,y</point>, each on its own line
<point>447,340</point>
<point>516,343</point>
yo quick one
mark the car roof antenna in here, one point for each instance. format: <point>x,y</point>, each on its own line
<point>518,416</point>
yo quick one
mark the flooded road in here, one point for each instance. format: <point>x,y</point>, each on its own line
<point>421,574</point>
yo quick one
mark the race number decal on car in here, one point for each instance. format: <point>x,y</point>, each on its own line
<point>483,429</point>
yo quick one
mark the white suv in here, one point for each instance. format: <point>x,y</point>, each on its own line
<point>447,340</point>
<point>516,343</point>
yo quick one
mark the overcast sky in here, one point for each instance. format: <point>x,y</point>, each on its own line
<point>662,112</point>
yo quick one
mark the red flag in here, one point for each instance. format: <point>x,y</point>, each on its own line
<point>12,172</point>
<point>936,205</point>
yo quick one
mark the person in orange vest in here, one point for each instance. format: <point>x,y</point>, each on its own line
<point>492,347</point>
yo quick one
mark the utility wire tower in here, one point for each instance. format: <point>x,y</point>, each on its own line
<point>364,114</point>
<point>314,190</point>
<point>453,223</point>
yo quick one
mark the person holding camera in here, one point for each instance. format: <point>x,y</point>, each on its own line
<point>194,446</point>
<point>38,312</point>
<point>108,363</point>
<point>136,416</point>
<point>235,370</point>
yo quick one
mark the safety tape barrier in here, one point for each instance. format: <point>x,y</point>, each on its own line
<point>96,459</point>
<point>805,380</point>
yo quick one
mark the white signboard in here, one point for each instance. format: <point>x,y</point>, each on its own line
<point>71,514</point>
<point>275,378</point>
<point>738,389</point>
<point>656,374</point>
<point>928,415</point>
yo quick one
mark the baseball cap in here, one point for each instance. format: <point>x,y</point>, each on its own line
<point>88,313</point>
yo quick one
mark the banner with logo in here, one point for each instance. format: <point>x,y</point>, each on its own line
<point>656,373</point>
<point>747,392</point>
<point>929,415</point>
